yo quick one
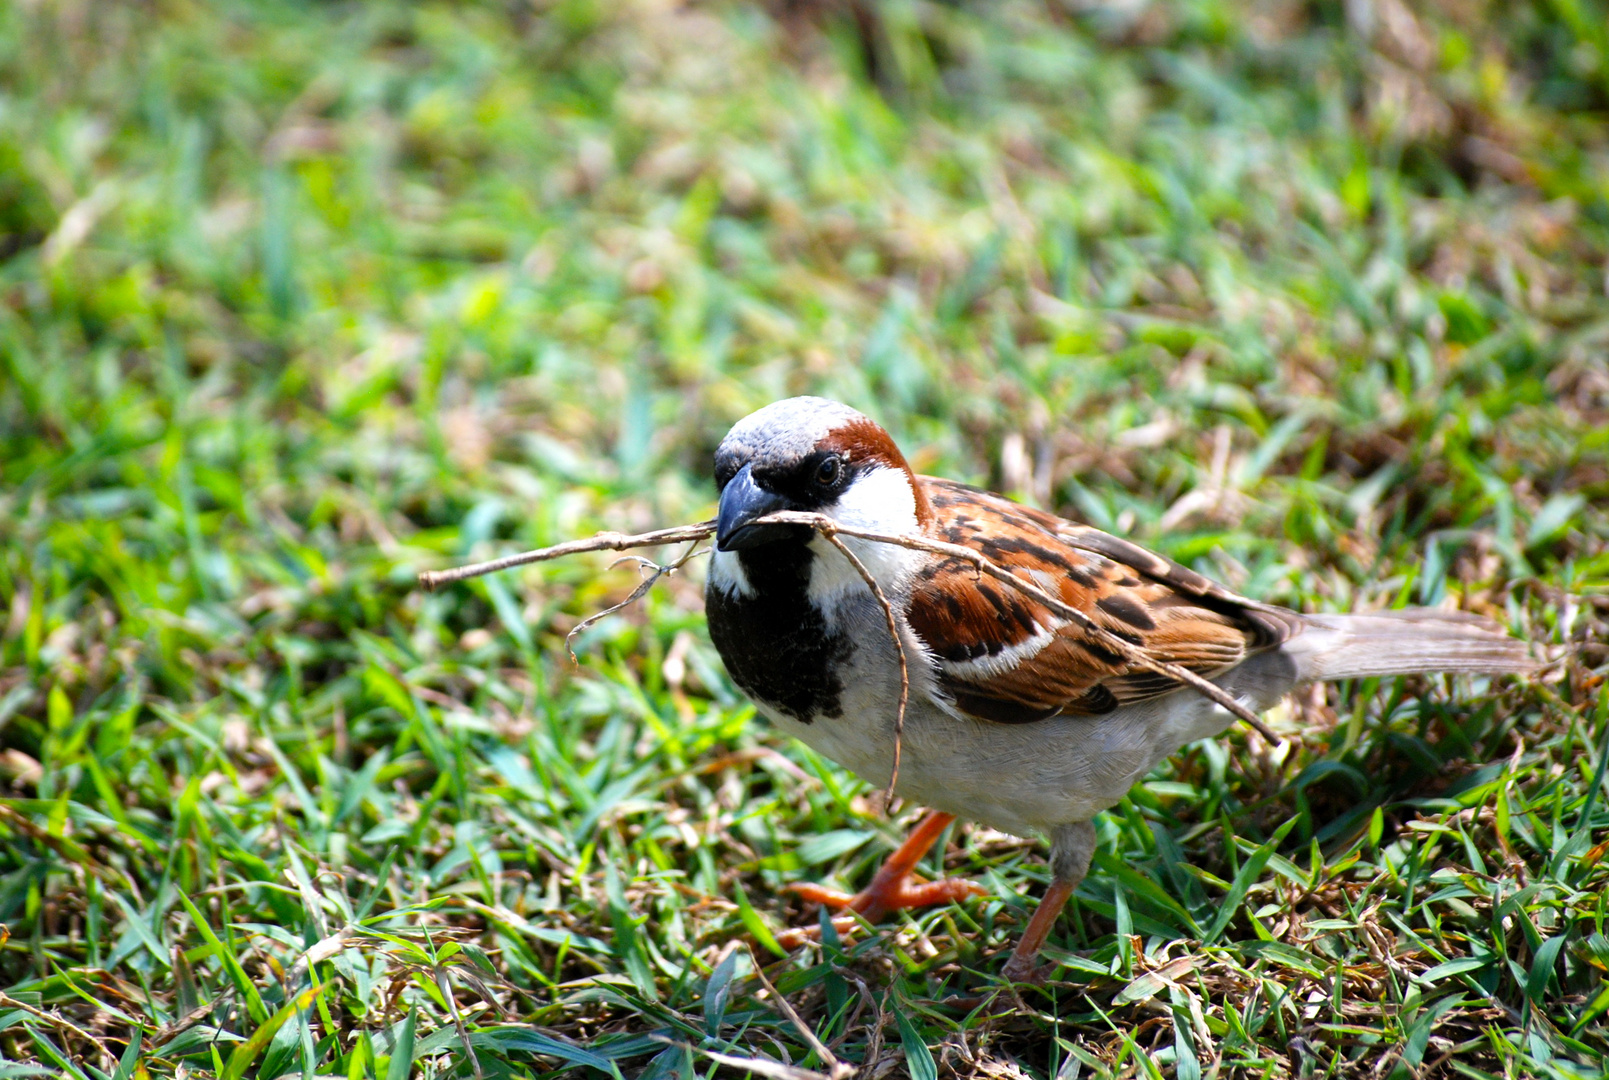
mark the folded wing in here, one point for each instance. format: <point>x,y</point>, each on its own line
<point>1004,658</point>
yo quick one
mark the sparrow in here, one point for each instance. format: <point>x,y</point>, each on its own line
<point>1017,718</point>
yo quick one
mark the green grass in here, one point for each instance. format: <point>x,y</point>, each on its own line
<point>299,299</point>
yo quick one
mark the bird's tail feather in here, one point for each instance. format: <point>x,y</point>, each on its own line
<point>1405,642</point>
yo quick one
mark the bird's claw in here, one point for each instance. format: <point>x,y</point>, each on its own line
<point>1023,969</point>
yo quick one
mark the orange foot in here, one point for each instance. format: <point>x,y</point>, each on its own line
<point>894,887</point>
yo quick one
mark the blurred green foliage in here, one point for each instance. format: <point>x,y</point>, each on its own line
<point>297,299</point>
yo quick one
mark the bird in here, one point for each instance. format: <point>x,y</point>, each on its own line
<point>1018,717</point>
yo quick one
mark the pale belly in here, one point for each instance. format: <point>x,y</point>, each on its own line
<point>1021,778</point>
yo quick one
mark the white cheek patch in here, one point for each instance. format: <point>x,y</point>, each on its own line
<point>880,500</point>
<point>727,574</point>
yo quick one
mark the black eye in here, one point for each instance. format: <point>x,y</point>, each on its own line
<point>828,472</point>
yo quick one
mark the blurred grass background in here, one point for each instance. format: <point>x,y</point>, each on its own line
<point>297,299</point>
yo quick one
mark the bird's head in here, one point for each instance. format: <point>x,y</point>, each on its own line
<point>812,455</point>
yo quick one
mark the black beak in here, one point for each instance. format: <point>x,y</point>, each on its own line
<point>742,500</point>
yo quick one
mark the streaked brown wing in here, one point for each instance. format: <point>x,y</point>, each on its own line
<point>1004,658</point>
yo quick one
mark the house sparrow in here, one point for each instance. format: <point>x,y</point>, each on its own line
<point>1017,718</point>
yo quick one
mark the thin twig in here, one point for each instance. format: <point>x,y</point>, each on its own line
<point>613,541</point>
<point>604,541</point>
<point>439,976</point>
<point>458,1020</point>
<point>899,651</point>
<point>836,1069</point>
<point>9,1002</point>
<point>1134,654</point>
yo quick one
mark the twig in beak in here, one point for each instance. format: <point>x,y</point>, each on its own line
<point>605,541</point>
<point>831,529</point>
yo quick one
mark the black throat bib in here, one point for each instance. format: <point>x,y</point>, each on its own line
<point>774,641</point>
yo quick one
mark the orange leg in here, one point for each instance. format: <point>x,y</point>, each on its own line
<point>1023,965</point>
<point>893,887</point>
<point>1071,847</point>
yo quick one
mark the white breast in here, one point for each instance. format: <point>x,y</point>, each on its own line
<point>1018,778</point>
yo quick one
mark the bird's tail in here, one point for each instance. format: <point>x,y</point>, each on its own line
<point>1404,642</point>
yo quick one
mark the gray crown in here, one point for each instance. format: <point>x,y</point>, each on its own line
<point>780,434</point>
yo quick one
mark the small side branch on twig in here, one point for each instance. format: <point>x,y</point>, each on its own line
<point>659,571</point>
